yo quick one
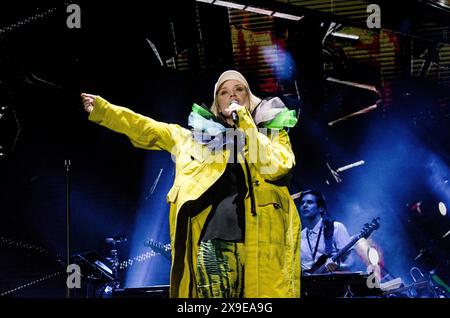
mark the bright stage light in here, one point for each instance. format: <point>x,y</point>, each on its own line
<point>442,208</point>
<point>373,256</point>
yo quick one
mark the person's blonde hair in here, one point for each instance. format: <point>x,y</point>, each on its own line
<point>251,105</point>
<point>234,75</point>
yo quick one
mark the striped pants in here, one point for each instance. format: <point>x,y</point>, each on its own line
<point>220,269</point>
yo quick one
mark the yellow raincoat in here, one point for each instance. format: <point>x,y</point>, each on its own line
<point>272,223</point>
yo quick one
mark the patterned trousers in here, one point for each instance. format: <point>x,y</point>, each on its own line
<point>220,269</point>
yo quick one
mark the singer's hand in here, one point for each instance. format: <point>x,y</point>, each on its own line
<point>233,107</point>
<point>88,101</point>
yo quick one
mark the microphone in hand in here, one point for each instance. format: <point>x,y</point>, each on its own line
<point>234,115</point>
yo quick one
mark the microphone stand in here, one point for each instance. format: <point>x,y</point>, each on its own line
<point>67,172</point>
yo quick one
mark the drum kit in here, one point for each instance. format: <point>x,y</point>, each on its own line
<point>103,274</point>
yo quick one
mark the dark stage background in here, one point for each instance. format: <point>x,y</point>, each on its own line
<point>382,98</point>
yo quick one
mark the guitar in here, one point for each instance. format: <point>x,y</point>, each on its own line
<point>157,247</point>
<point>319,266</point>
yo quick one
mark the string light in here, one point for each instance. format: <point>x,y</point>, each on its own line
<point>28,246</point>
<point>26,21</point>
<point>139,258</point>
<point>30,283</point>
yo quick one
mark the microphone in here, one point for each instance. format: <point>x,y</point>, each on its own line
<point>234,114</point>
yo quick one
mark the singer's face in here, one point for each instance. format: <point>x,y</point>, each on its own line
<point>232,90</point>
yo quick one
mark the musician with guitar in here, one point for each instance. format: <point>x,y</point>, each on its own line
<point>321,238</point>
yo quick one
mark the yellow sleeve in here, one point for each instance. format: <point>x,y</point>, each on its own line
<point>142,131</point>
<point>271,155</point>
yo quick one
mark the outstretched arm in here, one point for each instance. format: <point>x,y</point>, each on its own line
<point>88,101</point>
<point>142,131</point>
